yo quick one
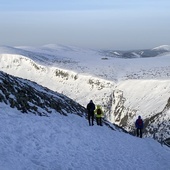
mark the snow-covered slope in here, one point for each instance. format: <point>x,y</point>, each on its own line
<point>30,97</point>
<point>54,141</point>
<point>124,87</point>
<point>162,48</point>
<point>56,73</point>
<point>60,142</point>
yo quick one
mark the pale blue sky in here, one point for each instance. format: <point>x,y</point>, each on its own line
<point>102,24</point>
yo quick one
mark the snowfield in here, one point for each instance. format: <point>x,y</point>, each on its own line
<point>58,142</point>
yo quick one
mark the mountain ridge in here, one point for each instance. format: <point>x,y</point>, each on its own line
<point>145,53</point>
<point>28,96</point>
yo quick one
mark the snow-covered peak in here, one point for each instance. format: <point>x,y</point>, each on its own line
<point>162,47</point>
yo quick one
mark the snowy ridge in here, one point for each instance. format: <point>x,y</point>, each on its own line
<point>124,87</point>
<point>57,79</point>
<point>145,53</point>
<point>29,97</point>
<point>163,48</point>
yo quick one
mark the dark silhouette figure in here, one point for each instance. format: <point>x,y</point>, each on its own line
<point>90,111</point>
<point>139,126</point>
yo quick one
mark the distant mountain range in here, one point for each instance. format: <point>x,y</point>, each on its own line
<point>138,53</point>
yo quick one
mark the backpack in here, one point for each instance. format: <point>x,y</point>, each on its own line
<point>99,112</point>
<point>139,122</point>
<point>91,107</point>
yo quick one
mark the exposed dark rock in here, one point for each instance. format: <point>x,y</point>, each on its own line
<point>28,96</point>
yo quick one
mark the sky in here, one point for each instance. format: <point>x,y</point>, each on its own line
<point>109,24</point>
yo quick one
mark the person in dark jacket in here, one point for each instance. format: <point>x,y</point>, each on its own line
<point>139,126</point>
<point>90,111</point>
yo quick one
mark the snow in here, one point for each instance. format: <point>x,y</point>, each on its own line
<point>62,142</point>
<point>132,76</point>
<point>144,83</point>
<point>148,97</point>
<point>162,47</point>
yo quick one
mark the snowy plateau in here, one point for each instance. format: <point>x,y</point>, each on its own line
<point>125,84</point>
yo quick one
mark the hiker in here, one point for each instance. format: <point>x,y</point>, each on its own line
<point>99,114</point>
<point>139,126</point>
<point>90,110</point>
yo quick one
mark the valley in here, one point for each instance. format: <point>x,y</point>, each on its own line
<point>125,88</point>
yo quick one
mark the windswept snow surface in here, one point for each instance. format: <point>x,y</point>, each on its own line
<point>58,142</point>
